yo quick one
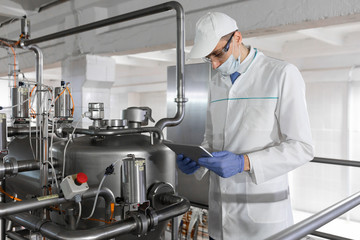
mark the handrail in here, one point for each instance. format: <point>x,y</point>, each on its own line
<point>309,225</point>
<point>337,162</point>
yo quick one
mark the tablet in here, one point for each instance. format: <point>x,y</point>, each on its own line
<point>193,152</point>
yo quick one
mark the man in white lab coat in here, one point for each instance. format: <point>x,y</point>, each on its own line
<point>257,128</point>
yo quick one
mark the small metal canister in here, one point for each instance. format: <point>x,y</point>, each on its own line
<point>19,95</point>
<point>63,103</point>
<point>133,180</point>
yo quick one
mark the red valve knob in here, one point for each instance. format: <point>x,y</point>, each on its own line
<point>81,178</point>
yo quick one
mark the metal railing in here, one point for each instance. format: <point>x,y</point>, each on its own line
<point>309,225</point>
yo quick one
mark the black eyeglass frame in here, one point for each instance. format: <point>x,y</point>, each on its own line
<point>224,50</point>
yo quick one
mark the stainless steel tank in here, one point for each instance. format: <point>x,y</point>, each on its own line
<point>92,155</point>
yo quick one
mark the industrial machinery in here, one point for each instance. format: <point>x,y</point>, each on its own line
<point>114,179</point>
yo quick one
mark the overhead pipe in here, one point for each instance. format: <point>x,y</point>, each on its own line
<point>180,48</point>
<point>176,206</point>
<point>314,222</point>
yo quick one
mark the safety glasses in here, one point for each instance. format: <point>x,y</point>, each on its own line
<point>221,54</point>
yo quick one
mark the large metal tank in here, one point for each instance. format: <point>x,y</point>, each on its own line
<point>92,155</point>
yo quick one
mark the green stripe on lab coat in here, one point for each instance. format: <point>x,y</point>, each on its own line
<point>228,99</point>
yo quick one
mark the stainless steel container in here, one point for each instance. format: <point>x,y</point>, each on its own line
<point>96,111</point>
<point>63,103</point>
<point>133,179</point>
<point>93,155</point>
<point>19,95</point>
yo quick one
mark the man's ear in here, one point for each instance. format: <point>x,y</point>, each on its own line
<point>238,37</point>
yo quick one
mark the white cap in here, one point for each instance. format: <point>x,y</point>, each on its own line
<point>209,30</point>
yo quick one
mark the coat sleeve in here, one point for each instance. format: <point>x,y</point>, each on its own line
<point>295,147</point>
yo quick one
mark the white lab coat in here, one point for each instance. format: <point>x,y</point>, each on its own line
<point>264,115</point>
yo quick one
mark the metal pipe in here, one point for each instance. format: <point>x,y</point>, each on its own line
<point>11,208</point>
<point>15,131</point>
<point>15,236</point>
<point>41,119</point>
<point>180,47</point>
<point>3,141</point>
<point>180,70</point>
<point>178,205</point>
<point>102,23</point>
<point>314,222</point>
<point>328,236</point>
<point>337,162</point>
<point>113,132</point>
<point>12,167</point>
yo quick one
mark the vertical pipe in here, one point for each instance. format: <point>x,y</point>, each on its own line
<point>3,152</point>
<point>174,228</point>
<point>41,120</point>
<point>3,143</point>
<point>180,68</point>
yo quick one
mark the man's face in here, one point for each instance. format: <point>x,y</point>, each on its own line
<point>221,52</point>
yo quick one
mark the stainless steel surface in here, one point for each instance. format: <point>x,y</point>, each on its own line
<point>175,206</point>
<point>22,130</point>
<point>41,120</point>
<point>134,116</point>
<point>180,67</point>
<point>63,103</point>
<point>113,132</point>
<point>11,166</point>
<point>93,155</point>
<point>137,116</point>
<point>175,229</point>
<point>191,130</point>
<point>317,220</point>
<point>25,27</point>
<point>133,183</point>
<point>96,111</point>
<point>19,95</point>
<point>15,236</point>
<point>118,123</point>
<point>3,141</point>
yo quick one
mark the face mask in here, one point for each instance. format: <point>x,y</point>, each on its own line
<point>230,66</point>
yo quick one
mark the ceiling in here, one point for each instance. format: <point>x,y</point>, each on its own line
<point>14,9</point>
<point>331,47</point>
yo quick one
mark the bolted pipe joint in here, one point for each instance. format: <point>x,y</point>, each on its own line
<point>141,223</point>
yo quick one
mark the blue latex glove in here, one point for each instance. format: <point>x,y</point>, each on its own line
<point>186,165</point>
<point>224,164</point>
